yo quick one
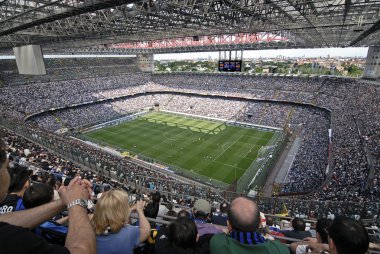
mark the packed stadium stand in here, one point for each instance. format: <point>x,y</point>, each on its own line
<point>347,107</point>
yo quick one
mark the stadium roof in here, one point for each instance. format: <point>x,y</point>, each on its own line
<point>87,25</point>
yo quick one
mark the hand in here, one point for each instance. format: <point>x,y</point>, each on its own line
<point>86,183</point>
<point>132,208</point>
<point>374,246</point>
<point>310,240</point>
<point>140,206</point>
<point>75,190</point>
<point>318,247</point>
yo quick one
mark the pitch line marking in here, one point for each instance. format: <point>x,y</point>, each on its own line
<point>250,150</point>
<point>232,166</point>
<point>232,143</point>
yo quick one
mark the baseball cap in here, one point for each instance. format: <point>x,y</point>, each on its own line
<point>202,205</point>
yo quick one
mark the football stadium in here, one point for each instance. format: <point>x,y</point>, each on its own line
<point>211,149</point>
<point>112,141</point>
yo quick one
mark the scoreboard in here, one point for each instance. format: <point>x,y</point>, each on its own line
<point>230,66</point>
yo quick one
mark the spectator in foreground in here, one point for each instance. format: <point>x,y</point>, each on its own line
<point>53,231</point>
<point>347,236</point>
<point>201,213</point>
<point>243,224</point>
<point>298,231</point>
<point>221,217</point>
<point>183,214</point>
<point>14,227</point>
<point>182,237</point>
<point>19,182</point>
<point>320,243</point>
<point>271,224</point>
<point>273,229</point>
<point>38,194</point>
<point>111,217</point>
<point>152,208</point>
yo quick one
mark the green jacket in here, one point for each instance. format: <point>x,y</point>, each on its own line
<point>223,244</point>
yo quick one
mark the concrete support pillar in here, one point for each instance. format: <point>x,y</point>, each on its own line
<point>372,65</point>
<point>145,62</point>
<point>29,60</point>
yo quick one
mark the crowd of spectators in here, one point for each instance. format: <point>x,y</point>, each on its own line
<point>313,152</point>
<point>25,152</point>
<point>67,69</point>
<point>89,216</point>
<point>353,104</point>
<point>346,99</point>
<point>22,101</point>
<point>131,176</point>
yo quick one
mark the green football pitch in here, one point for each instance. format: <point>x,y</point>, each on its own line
<point>209,148</point>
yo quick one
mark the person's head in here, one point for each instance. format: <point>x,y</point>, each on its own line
<point>269,220</point>
<point>112,210</point>
<point>243,215</point>
<point>156,197</point>
<point>37,194</point>
<point>151,210</point>
<point>106,187</point>
<point>322,228</point>
<point>171,213</point>
<point>298,224</point>
<point>183,233</point>
<point>224,207</point>
<point>347,237</point>
<point>169,206</point>
<point>19,179</point>
<point>201,209</point>
<point>183,214</point>
<point>49,180</point>
<point>4,175</point>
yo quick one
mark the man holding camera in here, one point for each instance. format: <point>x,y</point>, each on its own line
<point>15,234</point>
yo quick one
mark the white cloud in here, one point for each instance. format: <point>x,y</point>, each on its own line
<point>318,52</point>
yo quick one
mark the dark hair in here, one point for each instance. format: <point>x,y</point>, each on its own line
<point>171,213</point>
<point>200,215</point>
<point>322,229</point>
<point>50,180</point>
<point>224,207</point>
<point>169,206</point>
<point>269,220</point>
<point>239,224</point>
<point>151,210</point>
<point>37,194</point>
<point>106,187</point>
<point>183,214</point>
<point>183,233</point>
<point>349,236</point>
<point>156,197</point>
<point>298,224</point>
<point>19,176</point>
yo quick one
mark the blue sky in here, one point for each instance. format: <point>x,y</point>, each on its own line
<point>318,52</point>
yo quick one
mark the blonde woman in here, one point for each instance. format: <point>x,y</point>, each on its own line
<point>111,217</point>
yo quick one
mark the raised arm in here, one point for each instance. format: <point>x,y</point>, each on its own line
<point>31,218</point>
<point>144,223</point>
<point>81,236</point>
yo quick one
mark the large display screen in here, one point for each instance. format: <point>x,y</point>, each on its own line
<point>230,66</point>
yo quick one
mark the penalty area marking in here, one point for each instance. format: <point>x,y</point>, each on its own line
<point>225,149</point>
